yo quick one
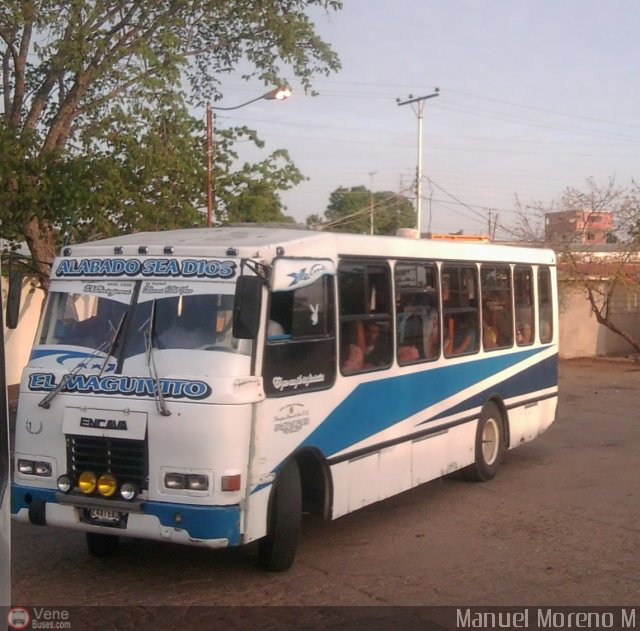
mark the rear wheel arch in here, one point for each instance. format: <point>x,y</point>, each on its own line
<point>506,433</point>
<point>316,482</point>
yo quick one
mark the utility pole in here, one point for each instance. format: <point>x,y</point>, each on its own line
<point>211,213</point>
<point>420,101</point>
<point>371,174</point>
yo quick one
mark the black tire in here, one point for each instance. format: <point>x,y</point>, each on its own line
<point>489,447</point>
<point>100,545</point>
<point>277,550</point>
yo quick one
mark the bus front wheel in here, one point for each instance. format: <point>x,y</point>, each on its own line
<point>489,445</point>
<point>278,549</point>
<point>100,545</point>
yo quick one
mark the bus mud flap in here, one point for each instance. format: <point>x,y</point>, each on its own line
<point>38,513</point>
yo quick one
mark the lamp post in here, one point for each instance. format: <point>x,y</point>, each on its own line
<point>279,93</point>
<point>420,101</point>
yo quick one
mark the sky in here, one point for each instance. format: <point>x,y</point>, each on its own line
<point>534,96</point>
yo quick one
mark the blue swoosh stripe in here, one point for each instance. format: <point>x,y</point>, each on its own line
<point>377,405</point>
<point>64,355</point>
<point>540,376</point>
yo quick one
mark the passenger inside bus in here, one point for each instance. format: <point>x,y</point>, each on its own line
<point>98,328</point>
<point>461,335</point>
<point>194,327</point>
<point>353,359</point>
<point>524,334</point>
<point>376,350</point>
<point>489,334</point>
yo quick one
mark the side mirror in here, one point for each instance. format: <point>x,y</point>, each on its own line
<point>13,299</point>
<point>246,308</point>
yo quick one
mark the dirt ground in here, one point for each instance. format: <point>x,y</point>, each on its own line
<point>560,525</point>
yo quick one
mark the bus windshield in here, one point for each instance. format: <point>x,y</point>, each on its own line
<point>187,316</point>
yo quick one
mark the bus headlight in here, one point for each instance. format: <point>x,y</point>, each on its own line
<point>197,482</point>
<point>43,469</point>
<point>87,482</point>
<point>25,467</point>
<point>107,485</point>
<point>65,483</point>
<point>175,480</point>
<point>34,467</point>
<point>128,491</point>
<point>186,481</point>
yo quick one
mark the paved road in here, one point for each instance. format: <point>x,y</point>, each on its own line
<point>560,524</point>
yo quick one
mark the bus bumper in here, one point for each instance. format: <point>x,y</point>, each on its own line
<point>207,526</point>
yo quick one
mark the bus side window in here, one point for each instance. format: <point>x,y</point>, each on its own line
<point>525,313</point>
<point>545,305</point>
<point>417,312</point>
<point>497,307</point>
<point>364,289</point>
<point>460,310</point>
<point>300,338</point>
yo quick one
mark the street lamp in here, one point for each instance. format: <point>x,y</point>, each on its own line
<point>420,101</point>
<point>279,93</point>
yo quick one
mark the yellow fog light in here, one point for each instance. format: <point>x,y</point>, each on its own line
<point>107,485</point>
<point>87,482</point>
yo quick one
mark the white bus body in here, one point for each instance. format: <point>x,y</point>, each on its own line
<point>222,436</point>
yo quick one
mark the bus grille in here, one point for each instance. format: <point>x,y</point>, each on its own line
<point>125,459</point>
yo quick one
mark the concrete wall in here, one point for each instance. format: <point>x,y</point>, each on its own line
<point>580,333</point>
<point>18,341</point>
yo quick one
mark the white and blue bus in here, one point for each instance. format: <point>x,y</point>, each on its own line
<point>209,386</point>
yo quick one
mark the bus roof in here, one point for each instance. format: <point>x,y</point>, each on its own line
<point>267,242</point>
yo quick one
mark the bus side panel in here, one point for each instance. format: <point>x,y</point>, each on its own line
<point>530,420</point>
<point>438,454</point>
<point>395,470</point>
<point>255,525</point>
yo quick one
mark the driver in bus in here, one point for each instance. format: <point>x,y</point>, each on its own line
<point>194,327</point>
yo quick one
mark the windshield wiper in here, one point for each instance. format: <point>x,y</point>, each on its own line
<point>149,336</point>
<point>114,341</point>
<point>46,402</point>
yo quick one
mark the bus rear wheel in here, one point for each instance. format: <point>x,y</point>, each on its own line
<point>277,550</point>
<point>489,445</point>
<point>100,545</point>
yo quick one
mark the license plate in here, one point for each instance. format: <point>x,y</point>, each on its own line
<point>105,515</point>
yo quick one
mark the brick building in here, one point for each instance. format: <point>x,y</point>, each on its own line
<point>578,226</point>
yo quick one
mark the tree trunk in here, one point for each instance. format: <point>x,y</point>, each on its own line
<point>40,239</point>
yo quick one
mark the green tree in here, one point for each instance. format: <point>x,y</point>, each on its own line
<point>258,202</point>
<point>95,136</point>
<point>350,210</point>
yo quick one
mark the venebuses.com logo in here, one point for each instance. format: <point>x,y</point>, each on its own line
<point>20,618</point>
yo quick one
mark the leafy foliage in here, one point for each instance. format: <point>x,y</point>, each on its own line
<point>96,136</point>
<point>351,209</point>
